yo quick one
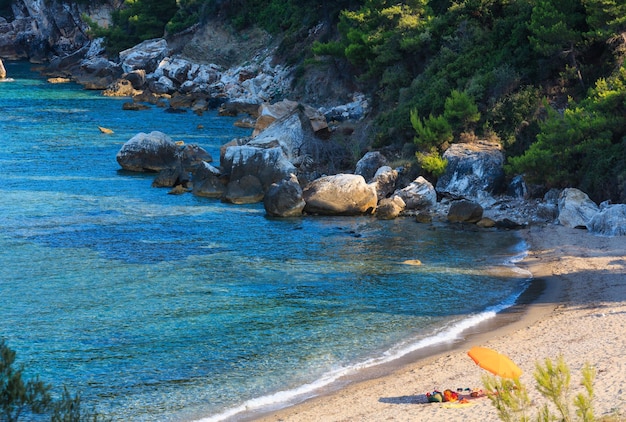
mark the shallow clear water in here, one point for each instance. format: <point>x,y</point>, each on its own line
<point>161,307</point>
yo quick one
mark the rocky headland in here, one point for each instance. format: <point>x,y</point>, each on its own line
<point>300,157</point>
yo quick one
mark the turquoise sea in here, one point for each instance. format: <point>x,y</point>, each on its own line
<point>156,307</point>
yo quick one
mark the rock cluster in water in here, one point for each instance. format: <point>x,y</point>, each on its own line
<point>271,168</point>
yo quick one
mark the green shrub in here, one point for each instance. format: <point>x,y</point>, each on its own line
<point>510,397</point>
<point>432,162</point>
<point>19,397</point>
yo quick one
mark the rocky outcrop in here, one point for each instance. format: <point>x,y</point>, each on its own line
<point>51,30</point>
<point>155,152</point>
<point>369,164</point>
<point>251,172</point>
<point>269,113</point>
<point>473,171</point>
<point>341,194</point>
<point>610,221</point>
<point>575,208</point>
<point>284,199</point>
<point>418,195</point>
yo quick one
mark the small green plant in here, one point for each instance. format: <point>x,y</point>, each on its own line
<point>509,397</point>
<point>553,379</point>
<point>432,162</point>
<point>18,396</point>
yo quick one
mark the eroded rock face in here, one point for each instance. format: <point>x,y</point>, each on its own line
<point>575,208</point>
<point>474,170</point>
<point>146,55</point>
<point>341,194</point>
<point>610,221</point>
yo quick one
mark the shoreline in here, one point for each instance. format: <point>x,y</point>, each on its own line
<point>537,327</point>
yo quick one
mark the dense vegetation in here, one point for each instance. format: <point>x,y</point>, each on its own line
<point>544,77</point>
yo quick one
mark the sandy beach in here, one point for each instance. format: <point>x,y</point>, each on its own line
<point>580,315</point>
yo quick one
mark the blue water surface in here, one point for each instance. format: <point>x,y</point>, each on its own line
<point>157,307</point>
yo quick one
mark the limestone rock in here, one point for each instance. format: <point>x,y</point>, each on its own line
<point>268,166</point>
<point>284,199</point>
<point>384,181</point>
<point>474,170</point>
<point>292,133</point>
<point>390,208</point>
<point>575,208</point>
<point>341,194</point>
<point>369,164</point>
<point>610,221</point>
<point>418,195</point>
<point>146,55</point>
<point>148,152</point>
<point>269,113</point>
<point>464,211</point>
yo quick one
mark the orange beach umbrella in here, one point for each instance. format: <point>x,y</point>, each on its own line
<point>494,362</point>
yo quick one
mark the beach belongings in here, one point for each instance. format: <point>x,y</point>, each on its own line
<point>449,395</point>
<point>438,396</point>
<point>494,362</point>
<point>435,397</point>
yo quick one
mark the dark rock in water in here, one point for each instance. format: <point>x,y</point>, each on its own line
<point>284,199</point>
<point>168,178</point>
<point>246,190</point>
<point>149,152</point>
<point>208,182</point>
<point>465,211</point>
<point>268,166</point>
<point>133,106</point>
<point>191,156</point>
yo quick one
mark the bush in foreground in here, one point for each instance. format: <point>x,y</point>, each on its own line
<point>21,397</point>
